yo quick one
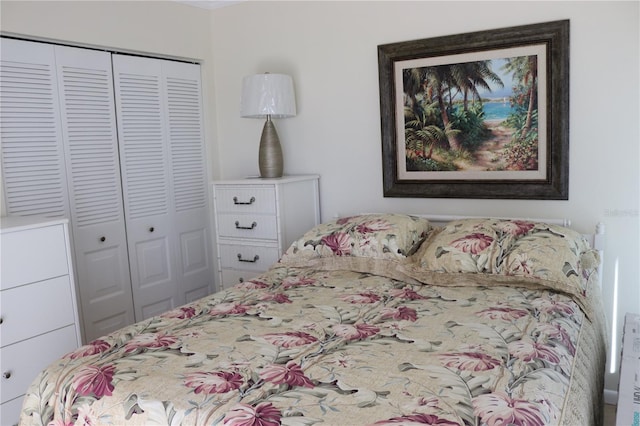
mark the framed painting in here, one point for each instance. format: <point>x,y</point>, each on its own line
<point>477,115</point>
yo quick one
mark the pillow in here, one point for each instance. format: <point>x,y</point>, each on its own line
<point>494,251</point>
<point>358,242</point>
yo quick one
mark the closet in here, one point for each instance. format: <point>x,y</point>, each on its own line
<point>115,143</point>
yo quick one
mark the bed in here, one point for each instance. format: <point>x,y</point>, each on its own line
<point>374,319</point>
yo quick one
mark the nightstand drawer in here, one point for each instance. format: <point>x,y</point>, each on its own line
<point>261,227</point>
<point>247,257</point>
<point>10,412</point>
<point>246,199</point>
<point>231,277</point>
<point>35,309</point>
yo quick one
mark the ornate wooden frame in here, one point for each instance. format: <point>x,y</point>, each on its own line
<point>554,37</point>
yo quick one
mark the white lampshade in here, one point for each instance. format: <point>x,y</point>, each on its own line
<point>268,95</point>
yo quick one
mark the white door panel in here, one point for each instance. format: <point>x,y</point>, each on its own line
<point>106,288</point>
<point>185,133</point>
<point>153,261</point>
<point>194,258</point>
<point>194,252</point>
<point>144,155</point>
<point>156,291</point>
<point>97,214</point>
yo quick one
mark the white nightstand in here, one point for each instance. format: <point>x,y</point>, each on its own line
<point>256,220</point>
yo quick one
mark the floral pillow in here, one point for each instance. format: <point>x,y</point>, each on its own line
<point>494,251</point>
<point>355,242</point>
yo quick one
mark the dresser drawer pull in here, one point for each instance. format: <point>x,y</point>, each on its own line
<point>253,225</point>
<point>6,374</point>
<point>251,201</point>
<point>103,239</point>
<point>254,260</point>
<point>1,320</point>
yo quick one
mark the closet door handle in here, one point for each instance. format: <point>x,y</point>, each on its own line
<point>103,239</point>
<point>254,260</point>
<point>253,225</point>
<point>251,201</point>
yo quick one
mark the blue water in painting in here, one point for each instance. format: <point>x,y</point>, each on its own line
<point>496,110</point>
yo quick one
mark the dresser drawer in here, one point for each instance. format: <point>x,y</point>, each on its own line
<point>249,226</point>
<point>231,277</point>
<point>35,309</point>
<point>23,361</point>
<point>245,199</point>
<point>10,412</point>
<point>32,255</point>
<point>247,257</point>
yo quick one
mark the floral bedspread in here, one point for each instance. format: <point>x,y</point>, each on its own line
<point>303,347</point>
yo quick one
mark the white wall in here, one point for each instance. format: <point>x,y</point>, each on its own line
<point>330,50</point>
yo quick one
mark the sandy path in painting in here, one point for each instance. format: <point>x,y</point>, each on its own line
<point>489,155</point>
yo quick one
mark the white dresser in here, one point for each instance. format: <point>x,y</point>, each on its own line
<point>38,310</point>
<point>258,219</point>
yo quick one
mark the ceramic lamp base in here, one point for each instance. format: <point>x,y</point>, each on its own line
<point>270,154</point>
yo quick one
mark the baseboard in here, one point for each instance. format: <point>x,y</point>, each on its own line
<point>610,397</point>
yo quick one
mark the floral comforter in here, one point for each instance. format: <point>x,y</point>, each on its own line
<point>302,347</point>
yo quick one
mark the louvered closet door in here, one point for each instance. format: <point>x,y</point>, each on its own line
<point>188,177</point>
<point>144,158</point>
<point>89,129</point>
<point>33,174</point>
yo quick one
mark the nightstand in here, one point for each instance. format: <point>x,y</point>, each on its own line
<point>256,220</point>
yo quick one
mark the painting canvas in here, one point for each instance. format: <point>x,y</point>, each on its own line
<point>476,115</point>
<point>476,119</point>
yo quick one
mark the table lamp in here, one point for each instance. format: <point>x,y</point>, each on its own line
<point>268,96</point>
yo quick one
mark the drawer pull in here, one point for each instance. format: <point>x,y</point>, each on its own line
<point>251,201</point>
<point>103,239</point>
<point>254,260</point>
<point>151,229</point>
<point>1,320</point>
<point>6,374</point>
<point>253,225</point>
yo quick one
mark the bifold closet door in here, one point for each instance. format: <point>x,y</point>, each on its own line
<point>159,112</point>
<point>97,215</point>
<point>134,188</point>
<point>144,159</point>
<point>184,129</point>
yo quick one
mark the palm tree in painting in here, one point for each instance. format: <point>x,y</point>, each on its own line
<point>525,71</point>
<point>471,76</point>
<point>439,82</point>
<point>412,80</point>
<point>443,83</point>
<point>431,116</point>
<point>419,134</point>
